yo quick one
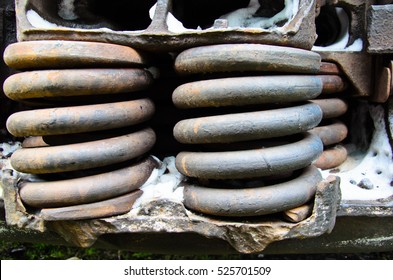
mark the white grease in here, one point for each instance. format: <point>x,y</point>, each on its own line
<point>343,38</point>
<point>174,25</point>
<point>244,18</point>
<point>67,10</point>
<point>6,151</point>
<point>163,183</point>
<point>37,21</point>
<point>378,159</point>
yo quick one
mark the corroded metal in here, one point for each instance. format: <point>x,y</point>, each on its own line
<point>331,134</point>
<point>357,67</point>
<point>34,142</point>
<point>246,57</point>
<point>83,155</point>
<point>75,82</point>
<point>332,107</point>
<point>329,68</point>
<point>86,189</point>
<point>298,214</point>
<point>157,35</point>
<point>248,126</point>
<point>333,84</point>
<point>239,91</point>
<point>332,157</point>
<point>70,54</point>
<point>250,163</point>
<point>106,208</point>
<point>380,29</point>
<point>253,201</point>
<point>79,119</point>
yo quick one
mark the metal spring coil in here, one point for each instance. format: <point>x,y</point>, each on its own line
<point>80,70</point>
<point>296,82</point>
<point>335,131</point>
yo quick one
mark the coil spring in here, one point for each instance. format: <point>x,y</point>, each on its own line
<point>250,160</point>
<point>68,138</point>
<point>335,131</point>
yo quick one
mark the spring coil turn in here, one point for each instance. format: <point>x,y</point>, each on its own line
<point>106,139</point>
<point>335,131</point>
<point>253,148</point>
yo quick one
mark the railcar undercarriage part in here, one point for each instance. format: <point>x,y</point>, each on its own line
<point>275,124</point>
<point>87,196</point>
<point>333,131</point>
<point>165,21</point>
<point>241,91</point>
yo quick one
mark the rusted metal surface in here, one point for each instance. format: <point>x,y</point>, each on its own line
<point>298,214</point>
<point>156,35</point>
<point>250,163</point>
<point>331,134</point>
<point>332,157</point>
<point>357,68</point>
<point>332,107</point>
<point>75,82</point>
<point>86,189</point>
<point>106,208</point>
<point>240,91</point>
<point>253,201</point>
<point>380,29</point>
<point>332,84</point>
<point>248,126</point>
<point>329,68</point>
<point>70,54</point>
<point>83,155</point>
<point>383,87</point>
<point>78,119</point>
<point>246,57</point>
<point>34,142</point>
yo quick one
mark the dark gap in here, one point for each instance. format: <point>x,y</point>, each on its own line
<point>328,26</point>
<point>203,13</point>
<point>115,14</point>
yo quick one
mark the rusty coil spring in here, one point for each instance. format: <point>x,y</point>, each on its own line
<point>268,142</point>
<point>108,140</point>
<point>334,131</point>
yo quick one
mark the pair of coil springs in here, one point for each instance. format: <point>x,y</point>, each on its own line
<point>98,136</point>
<point>247,163</point>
